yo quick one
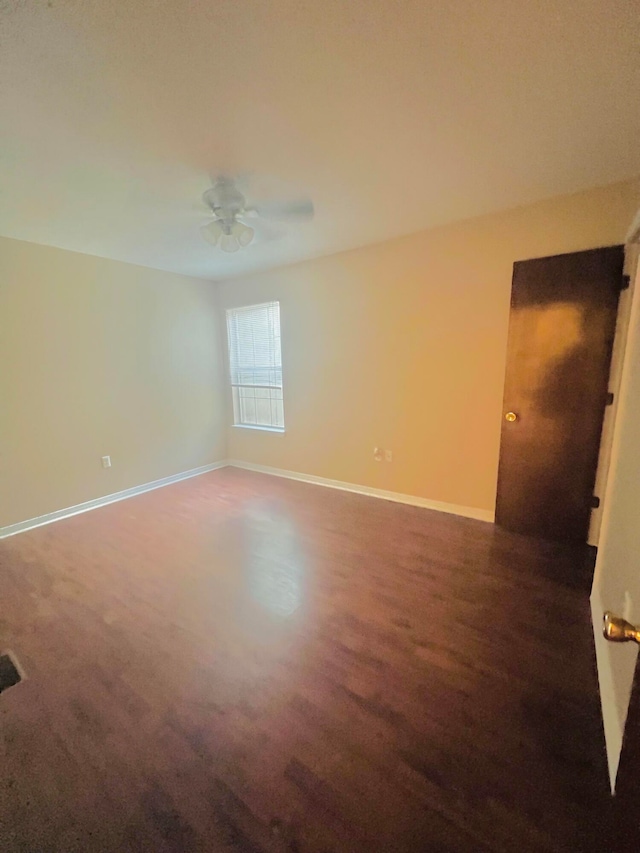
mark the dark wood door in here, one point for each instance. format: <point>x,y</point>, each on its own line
<point>561,329</point>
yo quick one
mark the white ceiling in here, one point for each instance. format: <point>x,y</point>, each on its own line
<point>394,115</point>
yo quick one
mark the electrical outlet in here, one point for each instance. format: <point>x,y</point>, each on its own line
<point>377,454</point>
<point>106,462</point>
<point>388,456</point>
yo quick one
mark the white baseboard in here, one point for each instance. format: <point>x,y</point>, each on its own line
<point>413,500</point>
<point>21,526</point>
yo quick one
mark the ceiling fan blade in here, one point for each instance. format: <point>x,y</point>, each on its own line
<point>267,232</point>
<point>301,210</point>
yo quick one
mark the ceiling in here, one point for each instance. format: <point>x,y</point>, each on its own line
<point>394,115</point>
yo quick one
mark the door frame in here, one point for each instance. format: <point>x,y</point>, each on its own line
<point>631,254</point>
<point>628,337</point>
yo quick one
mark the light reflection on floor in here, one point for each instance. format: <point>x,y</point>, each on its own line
<point>275,561</point>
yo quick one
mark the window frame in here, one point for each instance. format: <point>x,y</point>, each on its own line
<point>234,387</point>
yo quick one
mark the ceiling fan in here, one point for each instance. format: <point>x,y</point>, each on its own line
<point>228,229</point>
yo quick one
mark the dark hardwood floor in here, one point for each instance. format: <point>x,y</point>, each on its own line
<point>243,663</point>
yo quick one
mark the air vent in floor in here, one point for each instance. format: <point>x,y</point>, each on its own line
<point>9,674</point>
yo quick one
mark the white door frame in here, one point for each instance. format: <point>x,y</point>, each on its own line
<point>631,252</point>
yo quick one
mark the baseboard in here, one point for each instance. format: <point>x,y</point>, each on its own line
<point>21,526</point>
<point>413,500</point>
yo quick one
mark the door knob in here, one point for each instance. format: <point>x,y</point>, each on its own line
<point>511,417</point>
<point>618,630</point>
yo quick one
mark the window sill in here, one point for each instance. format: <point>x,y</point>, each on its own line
<point>258,427</point>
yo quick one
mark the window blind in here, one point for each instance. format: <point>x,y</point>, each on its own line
<point>255,365</point>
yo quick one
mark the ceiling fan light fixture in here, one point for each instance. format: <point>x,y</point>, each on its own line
<point>228,235</point>
<point>234,235</point>
<point>212,232</point>
<point>243,233</point>
<point>229,243</point>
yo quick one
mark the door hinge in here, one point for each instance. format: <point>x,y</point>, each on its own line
<point>609,400</point>
<point>625,282</point>
<point>595,502</point>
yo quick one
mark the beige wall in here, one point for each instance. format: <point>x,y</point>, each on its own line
<point>99,357</point>
<point>402,345</point>
<point>399,345</point>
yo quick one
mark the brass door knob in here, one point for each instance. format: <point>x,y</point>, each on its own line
<point>618,630</point>
<point>511,417</point>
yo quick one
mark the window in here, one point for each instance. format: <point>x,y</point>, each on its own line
<point>255,366</point>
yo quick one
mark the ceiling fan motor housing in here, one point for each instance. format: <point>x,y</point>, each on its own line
<point>224,199</point>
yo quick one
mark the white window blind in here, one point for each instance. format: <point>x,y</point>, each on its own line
<point>255,365</point>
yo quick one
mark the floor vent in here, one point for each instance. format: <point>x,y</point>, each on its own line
<point>9,674</point>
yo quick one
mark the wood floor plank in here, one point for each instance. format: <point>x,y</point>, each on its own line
<point>239,662</point>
